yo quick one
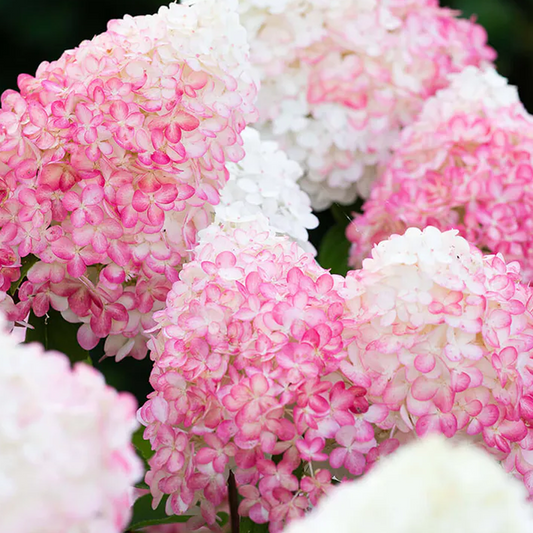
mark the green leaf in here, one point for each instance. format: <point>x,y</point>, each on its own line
<point>144,515</point>
<point>27,263</point>
<point>55,333</point>
<point>143,447</point>
<point>333,252</point>
<point>248,526</point>
<point>223,519</point>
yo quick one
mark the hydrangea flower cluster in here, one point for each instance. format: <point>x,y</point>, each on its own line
<point>66,460</point>
<point>442,338</point>
<point>246,376</point>
<point>455,488</point>
<point>112,158</point>
<point>341,78</point>
<point>465,163</point>
<point>265,182</point>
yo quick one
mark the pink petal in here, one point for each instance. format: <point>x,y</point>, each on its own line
<point>76,266</point>
<point>337,456</point>
<point>259,384</point>
<point>63,248</point>
<point>425,363</point>
<point>346,436</point>
<point>355,463</point>
<point>186,122</point>
<point>140,201</point>
<point>448,424</point>
<point>500,319</point>
<point>119,110</point>
<point>87,339</point>
<point>364,432</point>
<point>514,431</point>
<point>427,424</point>
<point>173,132</point>
<point>424,389</point>
<point>92,194</point>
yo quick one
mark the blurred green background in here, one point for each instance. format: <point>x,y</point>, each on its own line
<point>32,31</point>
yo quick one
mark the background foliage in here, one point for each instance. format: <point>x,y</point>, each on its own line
<point>32,31</point>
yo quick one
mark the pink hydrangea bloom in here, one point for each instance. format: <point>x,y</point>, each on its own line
<point>112,158</point>
<point>339,79</point>
<point>465,163</point>
<point>66,460</point>
<point>444,335</point>
<point>247,377</point>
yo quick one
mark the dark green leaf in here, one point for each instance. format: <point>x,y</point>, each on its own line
<point>55,333</point>
<point>248,526</point>
<point>333,252</point>
<point>144,515</point>
<point>129,374</point>
<point>343,214</point>
<point>27,263</point>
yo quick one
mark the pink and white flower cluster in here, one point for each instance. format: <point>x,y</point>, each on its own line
<point>341,78</point>
<point>66,460</point>
<point>443,340</point>
<point>244,372</point>
<point>267,365</point>
<point>465,163</point>
<point>265,183</point>
<point>112,158</point>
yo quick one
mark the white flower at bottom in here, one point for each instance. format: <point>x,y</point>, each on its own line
<point>66,462</point>
<point>432,486</point>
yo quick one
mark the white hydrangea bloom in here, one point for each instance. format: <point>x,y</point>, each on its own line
<point>66,460</point>
<point>265,182</point>
<point>431,486</point>
<point>339,79</point>
<point>434,252</point>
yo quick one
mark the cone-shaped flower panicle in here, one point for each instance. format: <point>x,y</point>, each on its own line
<point>111,159</point>
<point>265,182</point>
<point>66,460</point>
<point>444,336</point>
<point>455,488</point>
<point>246,377</point>
<point>465,163</point>
<point>339,79</point>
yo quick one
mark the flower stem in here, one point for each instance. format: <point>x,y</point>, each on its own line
<point>233,503</point>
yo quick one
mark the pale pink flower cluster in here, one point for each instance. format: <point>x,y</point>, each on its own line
<point>339,79</point>
<point>432,485</point>
<point>245,377</point>
<point>465,163</point>
<point>442,339</point>
<point>112,158</point>
<point>66,460</point>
